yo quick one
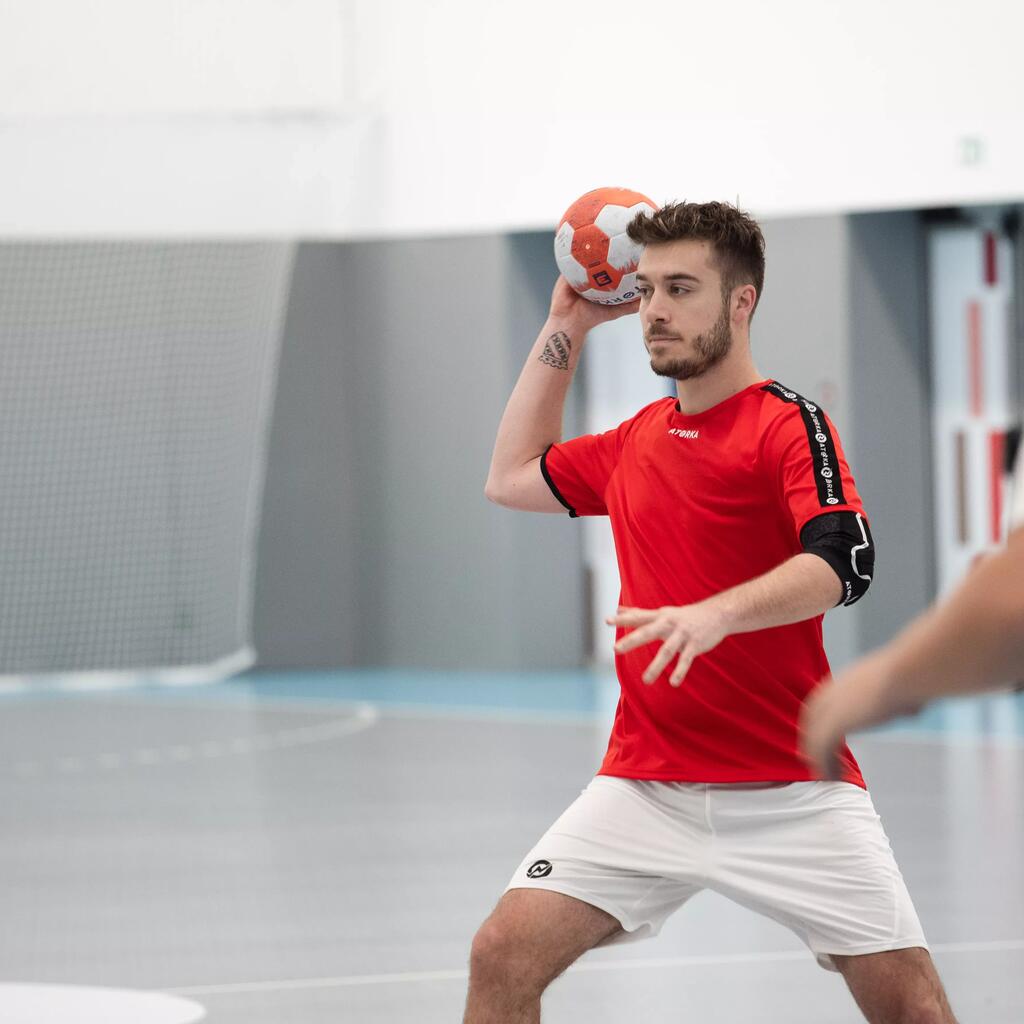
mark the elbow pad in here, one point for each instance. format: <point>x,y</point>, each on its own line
<point>844,541</point>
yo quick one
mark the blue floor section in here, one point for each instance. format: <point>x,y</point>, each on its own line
<point>580,695</point>
<point>572,694</point>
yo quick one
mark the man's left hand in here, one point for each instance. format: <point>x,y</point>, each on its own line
<point>687,631</point>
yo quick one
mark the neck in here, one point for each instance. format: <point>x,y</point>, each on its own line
<point>736,372</point>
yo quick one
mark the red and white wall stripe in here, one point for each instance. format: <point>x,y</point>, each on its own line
<point>971,312</point>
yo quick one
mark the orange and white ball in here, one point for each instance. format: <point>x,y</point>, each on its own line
<point>592,249</point>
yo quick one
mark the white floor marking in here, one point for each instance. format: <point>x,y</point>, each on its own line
<point>587,966</point>
<point>74,1004</point>
<point>599,718</point>
<point>363,717</point>
<point>111,680</point>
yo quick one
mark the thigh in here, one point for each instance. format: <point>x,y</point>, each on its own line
<point>536,932</point>
<point>888,985</point>
<point>631,849</point>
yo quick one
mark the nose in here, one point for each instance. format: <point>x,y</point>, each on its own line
<point>656,311</point>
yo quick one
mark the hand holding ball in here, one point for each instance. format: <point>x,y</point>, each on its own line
<point>592,249</point>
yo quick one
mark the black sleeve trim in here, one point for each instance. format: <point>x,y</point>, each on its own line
<point>828,477</point>
<point>1013,440</point>
<point>843,539</point>
<point>573,514</point>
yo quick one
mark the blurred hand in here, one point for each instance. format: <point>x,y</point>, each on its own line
<point>687,631</point>
<point>855,699</point>
<point>568,305</point>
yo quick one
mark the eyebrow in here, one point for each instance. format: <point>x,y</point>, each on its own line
<point>671,277</point>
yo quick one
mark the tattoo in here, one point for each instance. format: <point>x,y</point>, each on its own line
<point>556,351</point>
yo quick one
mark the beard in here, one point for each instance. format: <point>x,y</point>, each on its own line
<point>709,350</point>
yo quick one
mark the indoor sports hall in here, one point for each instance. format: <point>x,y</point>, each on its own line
<point>284,699</point>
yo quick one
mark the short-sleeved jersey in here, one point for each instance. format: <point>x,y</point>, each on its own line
<point>699,504</point>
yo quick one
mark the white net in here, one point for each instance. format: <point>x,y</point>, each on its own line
<point>135,390</point>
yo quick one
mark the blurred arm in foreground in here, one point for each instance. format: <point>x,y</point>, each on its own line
<point>972,641</point>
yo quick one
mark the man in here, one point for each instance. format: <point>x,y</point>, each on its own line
<point>737,525</point>
<point>971,642</point>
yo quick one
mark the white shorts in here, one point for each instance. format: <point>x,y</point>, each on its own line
<point>811,855</point>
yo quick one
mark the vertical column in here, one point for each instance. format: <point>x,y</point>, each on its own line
<point>971,308</point>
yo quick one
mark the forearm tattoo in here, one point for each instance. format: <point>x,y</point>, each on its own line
<point>556,351</point>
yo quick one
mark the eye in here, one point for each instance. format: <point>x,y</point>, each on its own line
<point>678,289</point>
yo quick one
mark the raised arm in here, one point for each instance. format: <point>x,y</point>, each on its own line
<point>532,421</point>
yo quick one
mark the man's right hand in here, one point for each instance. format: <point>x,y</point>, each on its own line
<point>569,307</point>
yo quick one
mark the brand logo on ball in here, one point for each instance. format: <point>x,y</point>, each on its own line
<point>539,869</point>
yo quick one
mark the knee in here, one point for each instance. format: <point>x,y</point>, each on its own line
<point>927,1011</point>
<point>499,958</point>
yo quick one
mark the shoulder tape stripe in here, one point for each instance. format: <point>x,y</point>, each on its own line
<point>828,477</point>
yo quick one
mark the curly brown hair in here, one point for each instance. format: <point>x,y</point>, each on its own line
<point>735,237</point>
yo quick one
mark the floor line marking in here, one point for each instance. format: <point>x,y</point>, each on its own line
<point>458,974</point>
<point>404,710</point>
<point>363,717</point>
<point>501,713</point>
<point>594,717</point>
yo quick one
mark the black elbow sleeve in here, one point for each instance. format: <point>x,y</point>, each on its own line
<point>843,539</point>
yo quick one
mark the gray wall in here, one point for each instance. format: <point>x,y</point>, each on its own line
<point>843,321</point>
<point>377,544</point>
<point>800,336</point>
<point>888,364</point>
<point>307,603</point>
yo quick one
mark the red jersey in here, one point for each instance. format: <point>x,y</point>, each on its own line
<point>699,504</point>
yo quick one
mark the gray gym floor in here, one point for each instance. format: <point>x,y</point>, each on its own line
<point>321,849</point>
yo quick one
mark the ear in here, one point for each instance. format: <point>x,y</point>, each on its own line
<point>744,298</point>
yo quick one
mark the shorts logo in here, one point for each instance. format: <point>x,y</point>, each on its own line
<point>539,869</point>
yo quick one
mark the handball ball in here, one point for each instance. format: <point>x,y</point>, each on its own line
<point>592,249</point>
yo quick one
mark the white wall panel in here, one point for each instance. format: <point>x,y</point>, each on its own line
<point>618,382</point>
<point>393,118</point>
<point>112,57</point>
